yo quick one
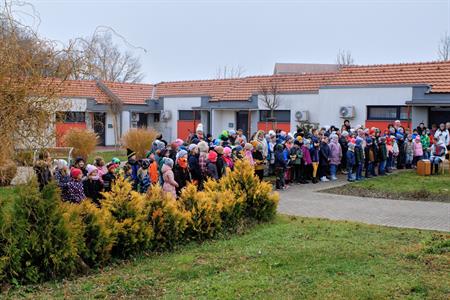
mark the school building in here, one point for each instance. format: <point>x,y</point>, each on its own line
<point>373,95</point>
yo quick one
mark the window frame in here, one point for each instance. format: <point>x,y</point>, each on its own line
<point>397,115</point>
<point>263,118</point>
<point>196,116</point>
<point>63,117</point>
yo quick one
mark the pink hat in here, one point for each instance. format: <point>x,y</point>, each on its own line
<point>90,169</point>
<point>417,138</point>
<point>227,151</point>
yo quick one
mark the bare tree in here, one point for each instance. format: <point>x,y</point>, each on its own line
<point>269,95</point>
<point>227,72</point>
<point>344,58</point>
<point>32,73</point>
<point>444,48</point>
<point>99,58</point>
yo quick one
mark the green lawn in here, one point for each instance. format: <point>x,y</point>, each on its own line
<point>401,185</point>
<point>108,155</point>
<point>293,258</point>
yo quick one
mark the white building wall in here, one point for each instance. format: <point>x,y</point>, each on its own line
<point>174,104</point>
<point>109,131</point>
<point>419,115</point>
<point>221,121</point>
<point>294,103</point>
<point>126,119</point>
<point>331,99</point>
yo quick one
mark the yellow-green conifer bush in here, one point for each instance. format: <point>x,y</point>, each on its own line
<point>168,219</point>
<point>98,234</point>
<point>231,208</point>
<point>260,200</point>
<point>127,208</point>
<point>205,219</point>
<point>37,241</point>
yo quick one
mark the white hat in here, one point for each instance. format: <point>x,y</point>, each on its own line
<point>199,127</point>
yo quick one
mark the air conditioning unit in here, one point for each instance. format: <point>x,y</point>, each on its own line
<point>302,115</point>
<point>347,112</point>
<point>166,115</point>
<point>134,117</point>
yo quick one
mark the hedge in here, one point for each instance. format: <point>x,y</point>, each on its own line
<point>43,238</point>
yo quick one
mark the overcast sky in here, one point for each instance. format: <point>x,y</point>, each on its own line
<point>190,39</point>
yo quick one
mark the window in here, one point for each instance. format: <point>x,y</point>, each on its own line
<point>279,115</point>
<point>387,113</point>
<point>71,117</point>
<point>188,115</point>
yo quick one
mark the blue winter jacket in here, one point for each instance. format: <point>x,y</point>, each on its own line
<point>350,158</point>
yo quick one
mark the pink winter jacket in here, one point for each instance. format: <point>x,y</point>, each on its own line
<point>417,149</point>
<point>170,184</point>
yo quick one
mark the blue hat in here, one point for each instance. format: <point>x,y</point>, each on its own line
<point>369,141</point>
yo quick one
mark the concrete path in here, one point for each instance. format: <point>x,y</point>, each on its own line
<point>305,200</point>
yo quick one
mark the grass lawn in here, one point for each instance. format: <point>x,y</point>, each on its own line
<point>7,191</point>
<point>293,258</point>
<point>108,155</point>
<point>405,185</point>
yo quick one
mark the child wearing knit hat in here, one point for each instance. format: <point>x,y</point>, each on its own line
<point>92,185</point>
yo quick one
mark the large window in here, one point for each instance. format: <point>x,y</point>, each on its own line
<point>279,115</point>
<point>188,115</point>
<point>387,113</point>
<point>71,117</point>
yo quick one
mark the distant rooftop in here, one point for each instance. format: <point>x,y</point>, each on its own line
<point>299,68</point>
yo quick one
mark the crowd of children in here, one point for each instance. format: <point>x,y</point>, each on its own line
<point>301,157</point>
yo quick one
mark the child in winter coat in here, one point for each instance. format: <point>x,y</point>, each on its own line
<point>389,155</point>
<point>153,170</point>
<point>425,141</point>
<point>92,185</point>
<point>42,169</point>
<point>110,177</point>
<point>75,190</point>
<point>335,155</point>
<point>351,161</point>
<point>307,162</point>
<point>401,158</point>
<point>62,176</point>
<point>134,167</point>
<point>409,152</point>
<point>395,152</point>
<point>382,156</point>
<point>248,148</point>
<point>296,156</point>
<point>143,176</point>
<point>170,185</point>
<point>203,157</point>
<point>324,159</point>
<point>359,158</point>
<point>369,158</point>
<point>194,167</point>
<point>220,163</point>
<point>280,166</point>
<point>211,165</point>
<point>80,164</point>
<point>227,158</point>
<point>259,160</point>
<point>314,151</point>
<point>417,151</point>
<point>181,170</point>
<point>99,163</point>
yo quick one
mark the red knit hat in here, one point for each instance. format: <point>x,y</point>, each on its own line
<point>212,156</point>
<point>75,172</point>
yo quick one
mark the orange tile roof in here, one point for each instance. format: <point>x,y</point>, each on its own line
<point>130,93</point>
<point>436,74</point>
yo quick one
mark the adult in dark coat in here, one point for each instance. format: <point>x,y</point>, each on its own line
<point>324,158</point>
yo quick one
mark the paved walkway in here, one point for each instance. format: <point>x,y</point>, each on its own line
<point>305,200</point>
